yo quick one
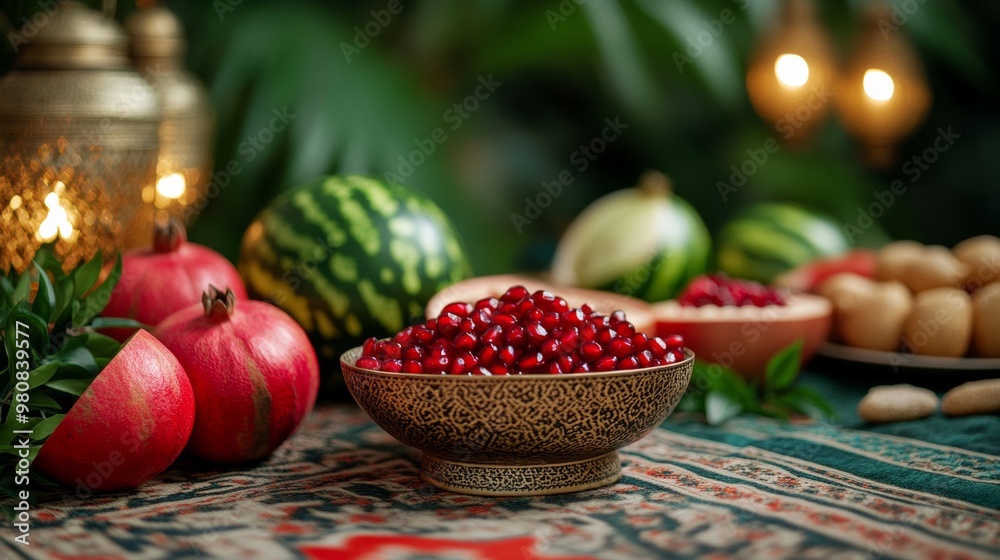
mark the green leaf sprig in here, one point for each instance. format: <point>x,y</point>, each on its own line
<point>64,350</point>
<point>721,393</point>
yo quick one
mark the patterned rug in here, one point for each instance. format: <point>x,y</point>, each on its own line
<point>343,489</point>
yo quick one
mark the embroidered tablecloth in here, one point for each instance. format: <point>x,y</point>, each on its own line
<point>754,488</point>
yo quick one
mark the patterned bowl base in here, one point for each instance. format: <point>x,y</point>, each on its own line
<point>521,480</point>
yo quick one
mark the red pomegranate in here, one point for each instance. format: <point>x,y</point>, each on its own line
<point>254,373</point>
<point>167,277</point>
<point>127,427</point>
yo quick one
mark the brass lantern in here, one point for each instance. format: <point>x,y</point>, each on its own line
<point>185,160</point>
<point>792,72</point>
<point>78,140</point>
<point>883,95</point>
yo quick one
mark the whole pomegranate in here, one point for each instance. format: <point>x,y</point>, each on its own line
<point>254,373</point>
<point>129,425</point>
<point>167,277</point>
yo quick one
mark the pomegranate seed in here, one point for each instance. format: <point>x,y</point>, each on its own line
<point>554,367</point>
<point>605,336</point>
<point>488,354</point>
<point>459,308</point>
<point>574,317</point>
<point>587,310</point>
<point>493,335</point>
<point>582,367</point>
<point>508,308</point>
<point>393,350</point>
<point>515,294</point>
<point>404,336</point>
<point>369,347</point>
<point>392,365</point>
<point>674,341</point>
<point>535,314</point>
<point>616,318</point>
<point>550,348</point>
<point>551,320</point>
<point>531,362</point>
<point>499,369</point>
<point>566,362</point>
<point>424,335</point>
<point>467,325</point>
<point>588,332</point>
<point>625,329</point>
<point>507,355</point>
<point>367,363</point>
<point>441,342</point>
<point>536,332</point>
<point>676,355</point>
<point>640,340</point>
<point>658,347</point>
<point>482,371</point>
<point>413,353</point>
<point>448,324</point>
<point>628,363</point>
<point>379,349</point>
<point>481,320</point>
<point>543,298</point>
<point>621,347</point>
<point>504,320</point>
<point>412,366</point>
<point>559,305</point>
<point>645,358</point>
<point>436,364</point>
<point>466,341</point>
<point>470,359</point>
<point>516,336</point>
<point>591,350</point>
<point>569,340</point>
<point>524,307</point>
<point>490,303</point>
<point>605,363</point>
<point>600,321</point>
<point>460,366</point>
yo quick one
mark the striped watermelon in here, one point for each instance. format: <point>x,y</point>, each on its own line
<point>768,239</point>
<point>350,257</point>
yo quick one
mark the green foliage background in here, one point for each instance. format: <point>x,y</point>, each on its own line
<point>560,79</point>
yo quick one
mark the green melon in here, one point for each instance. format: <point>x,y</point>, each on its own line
<point>769,239</point>
<point>351,257</point>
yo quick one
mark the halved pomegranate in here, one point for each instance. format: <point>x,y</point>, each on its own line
<point>809,276</point>
<point>741,324</point>
<point>128,426</point>
<point>606,303</point>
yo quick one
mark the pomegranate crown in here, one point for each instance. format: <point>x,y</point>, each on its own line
<point>168,235</point>
<point>218,305</point>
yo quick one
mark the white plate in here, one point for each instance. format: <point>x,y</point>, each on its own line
<point>899,360</point>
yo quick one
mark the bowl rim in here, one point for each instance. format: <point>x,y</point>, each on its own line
<point>688,358</point>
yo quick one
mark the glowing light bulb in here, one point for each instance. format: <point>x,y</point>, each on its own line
<point>172,186</point>
<point>56,222</point>
<point>878,85</point>
<point>791,70</point>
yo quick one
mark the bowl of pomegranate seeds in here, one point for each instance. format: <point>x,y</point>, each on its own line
<point>519,394</point>
<point>742,324</point>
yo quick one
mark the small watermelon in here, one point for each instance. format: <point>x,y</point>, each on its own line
<point>769,239</point>
<point>350,257</point>
<point>643,242</point>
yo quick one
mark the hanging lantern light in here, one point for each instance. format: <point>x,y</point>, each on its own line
<point>792,71</point>
<point>78,141</point>
<point>186,134</point>
<point>883,95</point>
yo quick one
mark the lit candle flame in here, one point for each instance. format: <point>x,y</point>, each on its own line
<point>56,222</point>
<point>172,186</point>
<point>878,85</point>
<point>791,70</point>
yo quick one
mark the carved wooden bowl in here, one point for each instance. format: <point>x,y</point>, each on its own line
<point>519,435</point>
